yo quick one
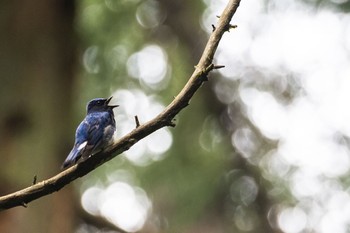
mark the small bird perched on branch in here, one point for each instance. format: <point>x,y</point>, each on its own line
<point>95,132</point>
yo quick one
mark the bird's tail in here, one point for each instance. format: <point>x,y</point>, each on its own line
<point>72,158</point>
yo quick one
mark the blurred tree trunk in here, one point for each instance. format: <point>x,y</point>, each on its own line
<point>37,63</point>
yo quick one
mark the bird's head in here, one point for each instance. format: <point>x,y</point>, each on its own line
<point>100,105</point>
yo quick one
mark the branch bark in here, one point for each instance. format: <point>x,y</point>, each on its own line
<point>204,67</point>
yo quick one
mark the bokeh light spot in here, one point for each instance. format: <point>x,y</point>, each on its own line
<point>148,65</point>
<point>292,220</point>
<point>153,147</point>
<point>149,15</point>
<point>90,60</point>
<point>123,205</point>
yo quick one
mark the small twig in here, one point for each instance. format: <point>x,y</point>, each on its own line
<point>34,180</point>
<point>171,123</point>
<point>216,67</point>
<point>137,122</point>
<point>230,26</point>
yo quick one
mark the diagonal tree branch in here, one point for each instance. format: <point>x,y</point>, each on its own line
<point>204,67</point>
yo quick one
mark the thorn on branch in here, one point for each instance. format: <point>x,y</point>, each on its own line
<point>137,122</point>
<point>34,179</point>
<point>213,26</point>
<point>204,73</point>
<point>24,204</point>
<point>229,27</point>
<point>171,123</point>
<point>216,67</point>
<point>208,69</point>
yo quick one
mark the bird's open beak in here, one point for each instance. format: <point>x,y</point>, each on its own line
<point>111,106</point>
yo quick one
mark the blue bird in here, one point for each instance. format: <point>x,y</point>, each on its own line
<point>95,132</point>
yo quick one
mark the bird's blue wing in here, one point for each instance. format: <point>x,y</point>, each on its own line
<point>88,139</point>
